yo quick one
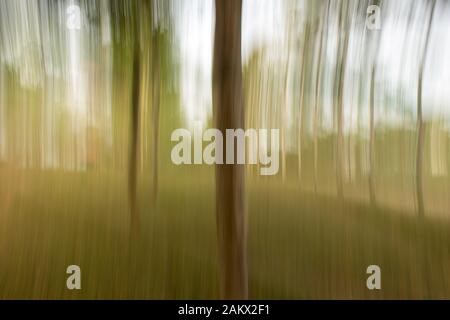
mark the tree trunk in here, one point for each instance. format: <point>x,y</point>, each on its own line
<point>372,137</point>
<point>372,194</point>
<point>134,149</point>
<point>229,113</point>
<point>155,109</point>
<point>284,117</point>
<point>340,106</point>
<point>316,99</point>
<point>420,123</point>
<point>302,94</point>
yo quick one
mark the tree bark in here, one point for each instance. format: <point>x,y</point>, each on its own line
<point>229,113</point>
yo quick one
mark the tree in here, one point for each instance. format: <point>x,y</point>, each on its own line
<point>229,113</point>
<point>372,136</point>
<point>160,29</point>
<point>317,94</point>
<point>156,92</point>
<point>420,123</point>
<point>302,94</point>
<point>135,114</point>
<point>340,75</point>
<point>372,121</point>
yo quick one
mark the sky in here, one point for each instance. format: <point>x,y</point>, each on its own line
<point>264,25</point>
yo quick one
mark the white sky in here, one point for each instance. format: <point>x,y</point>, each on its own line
<point>264,23</point>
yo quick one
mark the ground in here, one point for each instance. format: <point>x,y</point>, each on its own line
<point>300,245</point>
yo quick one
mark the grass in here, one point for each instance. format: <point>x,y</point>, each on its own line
<point>300,245</point>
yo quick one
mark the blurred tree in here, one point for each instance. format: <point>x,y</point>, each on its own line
<point>376,42</point>
<point>229,113</point>
<point>135,113</point>
<point>420,122</point>
<point>324,24</point>
<point>341,63</point>
<point>156,92</point>
<point>305,45</point>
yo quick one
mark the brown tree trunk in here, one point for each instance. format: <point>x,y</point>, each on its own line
<point>229,113</point>
<point>155,108</point>
<point>134,148</point>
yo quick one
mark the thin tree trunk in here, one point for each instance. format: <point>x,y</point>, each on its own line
<point>155,108</point>
<point>420,123</point>
<point>340,106</point>
<point>316,102</point>
<point>302,91</point>
<point>372,194</point>
<point>134,149</point>
<point>229,113</point>
<point>284,114</point>
<point>372,138</point>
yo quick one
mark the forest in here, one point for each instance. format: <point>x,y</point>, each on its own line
<point>115,154</point>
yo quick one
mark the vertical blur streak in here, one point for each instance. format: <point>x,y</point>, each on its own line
<point>156,99</point>
<point>420,124</point>
<point>317,92</point>
<point>340,73</point>
<point>135,121</point>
